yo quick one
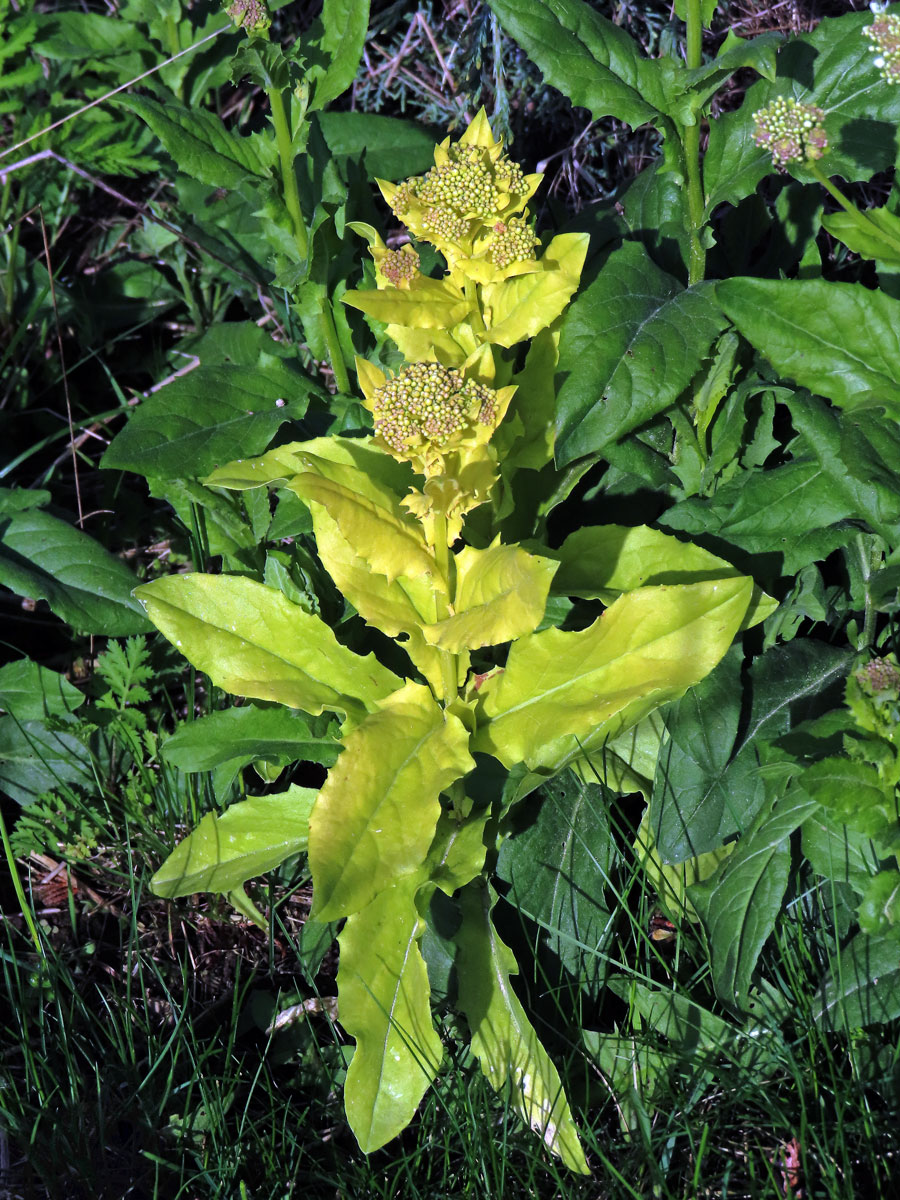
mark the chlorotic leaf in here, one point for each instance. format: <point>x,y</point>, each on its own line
<point>252,641</point>
<point>377,812</point>
<point>501,594</point>
<point>503,1038</point>
<point>383,1002</point>
<point>648,647</point>
<point>248,839</point>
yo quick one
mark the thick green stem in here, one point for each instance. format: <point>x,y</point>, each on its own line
<point>449,663</point>
<point>690,141</point>
<point>333,346</point>
<point>288,178</point>
<point>471,293</point>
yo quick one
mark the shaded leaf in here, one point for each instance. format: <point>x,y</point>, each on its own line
<point>247,733</point>
<point>31,692</point>
<point>863,987</point>
<point>503,1039</point>
<point>35,760</point>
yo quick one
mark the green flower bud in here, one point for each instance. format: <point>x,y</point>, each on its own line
<point>430,404</point>
<point>793,132</point>
<point>250,15</point>
<point>397,265</point>
<point>884,33</point>
<point>879,677</point>
<point>513,241</point>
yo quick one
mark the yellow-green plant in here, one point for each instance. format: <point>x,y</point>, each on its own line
<point>399,817</point>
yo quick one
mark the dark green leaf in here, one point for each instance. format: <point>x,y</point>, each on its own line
<point>788,516</point>
<point>45,558</point>
<point>209,417</point>
<point>739,903</point>
<point>86,35</point>
<point>345,24</point>
<point>558,867</point>
<point>35,760</point>
<point>588,58</point>
<point>394,148</point>
<point>863,988</point>
<point>200,144</point>
<point>630,344</point>
<point>274,734</point>
<point>837,339</point>
<point>31,692</point>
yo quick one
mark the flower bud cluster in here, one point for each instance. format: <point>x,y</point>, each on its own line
<point>400,265</point>
<point>250,15</point>
<point>879,676</point>
<point>513,241</point>
<point>430,404</point>
<point>884,33</point>
<point>791,131</point>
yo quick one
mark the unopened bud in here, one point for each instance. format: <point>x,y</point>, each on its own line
<point>791,131</point>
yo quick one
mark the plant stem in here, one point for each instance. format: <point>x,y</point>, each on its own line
<point>333,345</point>
<point>288,178</point>
<point>449,664</point>
<point>690,141</point>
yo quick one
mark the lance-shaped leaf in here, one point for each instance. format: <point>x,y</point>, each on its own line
<point>501,593</point>
<point>252,641</point>
<point>837,339</point>
<point>603,561</point>
<point>503,1038</point>
<point>648,647</point>
<point>426,304</point>
<point>521,307</point>
<point>399,606</point>
<point>863,987</point>
<point>739,904</point>
<point>594,62</point>
<point>383,1001</point>
<point>376,815</point>
<point>249,838</point>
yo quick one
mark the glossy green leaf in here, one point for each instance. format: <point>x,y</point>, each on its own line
<point>383,1000</point>
<point>86,35</point>
<point>588,58</point>
<point>863,987</point>
<point>393,148</point>
<point>31,692</point>
<point>832,67</point>
<point>45,558</point>
<point>648,647</point>
<point>344,27</point>
<point>789,516</point>
<point>275,734</point>
<point>520,307</point>
<point>833,338</point>
<point>376,815</point>
<point>739,904</point>
<point>708,784</point>
<point>501,593</point>
<point>558,867</point>
<point>200,143</point>
<point>248,839</point>
<point>252,641</point>
<point>207,417</point>
<point>503,1039</point>
<point>630,345</point>
<point>35,760</point>
<point>458,851</point>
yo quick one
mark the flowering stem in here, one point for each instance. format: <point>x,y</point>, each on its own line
<point>333,346</point>
<point>449,665</point>
<point>690,141</point>
<point>288,178</point>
